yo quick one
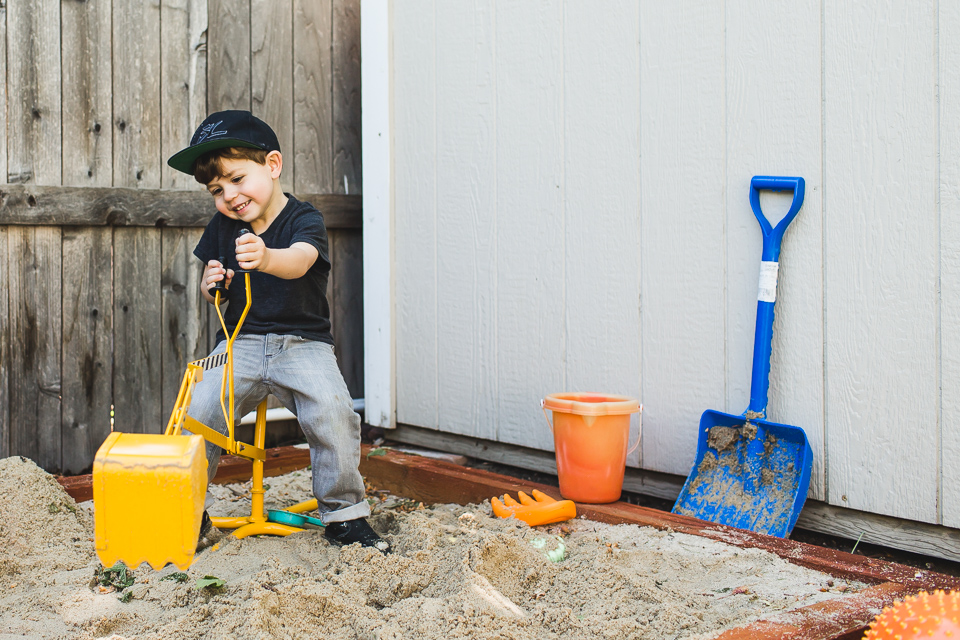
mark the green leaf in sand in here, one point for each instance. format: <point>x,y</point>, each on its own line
<point>210,582</point>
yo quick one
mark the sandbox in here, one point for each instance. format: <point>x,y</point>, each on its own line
<point>457,572</point>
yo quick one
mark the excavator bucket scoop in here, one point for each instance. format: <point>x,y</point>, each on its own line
<point>148,495</point>
<point>541,509</point>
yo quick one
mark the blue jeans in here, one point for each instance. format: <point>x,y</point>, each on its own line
<point>304,377</point>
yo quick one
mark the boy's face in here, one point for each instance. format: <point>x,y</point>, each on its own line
<point>248,191</point>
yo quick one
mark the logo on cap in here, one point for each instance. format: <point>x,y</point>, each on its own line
<point>210,131</point>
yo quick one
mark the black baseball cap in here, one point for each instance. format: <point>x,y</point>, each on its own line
<point>225,129</point>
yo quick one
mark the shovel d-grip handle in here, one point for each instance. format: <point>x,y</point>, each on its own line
<point>767,290</point>
<point>541,509</point>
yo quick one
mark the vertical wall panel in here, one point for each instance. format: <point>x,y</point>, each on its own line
<point>312,155</point>
<point>602,198</point>
<point>949,189</point>
<point>682,209</point>
<point>33,72</point>
<point>35,326</point>
<point>136,319</point>
<point>86,341</point>
<point>530,217</point>
<point>183,332</point>
<point>415,164</point>
<point>271,73</point>
<point>183,81</point>
<point>87,98</point>
<point>3,105</point>
<point>881,257</point>
<point>228,55</point>
<point>136,94</point>
<point>86,344</point>
<point>347,174</point>
<point>5,356</point>
<point>346,307</point>
<point>774,128</point>
<point>466,219</point>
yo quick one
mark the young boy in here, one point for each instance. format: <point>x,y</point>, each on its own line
<point>285,347</point>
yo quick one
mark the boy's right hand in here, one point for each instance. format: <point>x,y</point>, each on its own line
<point>216,273</point>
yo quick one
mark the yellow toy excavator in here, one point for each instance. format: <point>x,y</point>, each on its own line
<point>149,489</point>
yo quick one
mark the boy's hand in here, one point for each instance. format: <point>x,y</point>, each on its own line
<point>216,273</point>
<point>251,252</point>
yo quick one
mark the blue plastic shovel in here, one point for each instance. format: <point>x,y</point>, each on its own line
<point>751,473</point>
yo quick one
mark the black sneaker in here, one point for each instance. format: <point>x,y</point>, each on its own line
<point>206,537</point>
<point>358,530</point>
<point>206,524</point>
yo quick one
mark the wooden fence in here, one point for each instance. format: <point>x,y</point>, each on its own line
<point>99,290</point>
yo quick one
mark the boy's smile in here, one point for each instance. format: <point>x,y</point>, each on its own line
<point>249,191</point>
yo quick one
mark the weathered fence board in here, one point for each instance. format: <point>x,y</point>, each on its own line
<point>74,206</point>
<point>346,306</point>
<point>136,94</point>
<point>228,55</point>
<point>34,289</point>
<point>3,109</point>
<point>87,100</point>
<point>312,107</point>
<point>184,319</point>
<point>87,161</point>
<point>183,77</point>
<point>86,344</point>
<point>136,313</point>
<point>5,364</point>
<point>271,75</point>
<point>33,60</point>
<point>347,176</point>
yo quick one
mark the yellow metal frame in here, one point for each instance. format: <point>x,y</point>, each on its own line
<point>256,523</point>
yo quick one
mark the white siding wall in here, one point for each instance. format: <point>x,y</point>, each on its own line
<point>571,211</point>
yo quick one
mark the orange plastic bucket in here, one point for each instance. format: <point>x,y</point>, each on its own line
<point>590,433</point>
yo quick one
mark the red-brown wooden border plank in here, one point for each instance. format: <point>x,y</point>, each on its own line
<point>437,481</point>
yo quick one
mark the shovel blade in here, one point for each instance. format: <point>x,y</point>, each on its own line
<point>750,474</point>
<point>148,495</point>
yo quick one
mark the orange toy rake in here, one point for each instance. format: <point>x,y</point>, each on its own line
<point>540,509</point>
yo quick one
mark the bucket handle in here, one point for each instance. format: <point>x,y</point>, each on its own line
<point>636,444</point>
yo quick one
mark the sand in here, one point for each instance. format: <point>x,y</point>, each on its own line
<point>456,572</point>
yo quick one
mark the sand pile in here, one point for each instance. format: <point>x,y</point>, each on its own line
<point>456,572</point>
<point>41,528</point>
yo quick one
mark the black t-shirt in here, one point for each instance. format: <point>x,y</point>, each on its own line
<point>290,307</point>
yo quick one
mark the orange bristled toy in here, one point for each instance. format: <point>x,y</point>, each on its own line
<point>926,615</point>
<point>541,509</point>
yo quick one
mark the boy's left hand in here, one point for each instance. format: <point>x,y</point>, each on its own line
<point>251,252</point>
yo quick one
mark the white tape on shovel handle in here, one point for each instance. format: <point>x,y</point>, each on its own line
<point>768,281</point>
